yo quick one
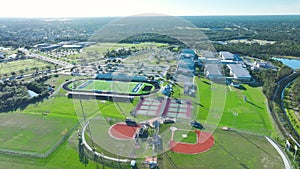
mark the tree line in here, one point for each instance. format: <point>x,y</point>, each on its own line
<point>287,48</point>
<point>14,95</point>
<point>269,77</point>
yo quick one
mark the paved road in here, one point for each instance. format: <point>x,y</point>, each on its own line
<point>48,59</point>
<point>281,153</point>
<point>279,82</point>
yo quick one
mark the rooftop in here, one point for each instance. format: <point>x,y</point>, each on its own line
<point>213,70</point>
<point>227,55</point>
<point>188,53</point>
<point>239,71</point>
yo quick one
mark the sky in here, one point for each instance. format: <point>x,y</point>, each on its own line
<point>104,8</point>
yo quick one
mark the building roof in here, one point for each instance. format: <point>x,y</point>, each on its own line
<point>213,70</point>
<point>188,53</point>
<point>239,71</point>
<point>227,55</point>
<point>208,54</point>
<point>72,46</point>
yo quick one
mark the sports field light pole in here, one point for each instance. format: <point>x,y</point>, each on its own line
<point>235,115</point>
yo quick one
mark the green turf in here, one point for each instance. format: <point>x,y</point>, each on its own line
<point>231,150</point>
<point>110,86</point>
<point>64,106</point>
<point>252,114</point>
<point>31,131</point>
<point>112,111</point>
<point>191,136</point>
<point>65,157</point>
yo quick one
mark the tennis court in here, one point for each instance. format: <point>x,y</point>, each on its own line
<point>164,107</point>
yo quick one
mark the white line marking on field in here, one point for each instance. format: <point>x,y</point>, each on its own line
<point>230,88</point>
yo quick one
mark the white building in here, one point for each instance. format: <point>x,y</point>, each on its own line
<point>226,55</point>
<point>239,72</point>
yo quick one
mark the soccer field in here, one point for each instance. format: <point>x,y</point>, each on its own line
<point>111,86</point>
<point>252,115</point>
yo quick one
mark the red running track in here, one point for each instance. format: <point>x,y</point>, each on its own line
<point>204,143</point>
<point>121,131</point>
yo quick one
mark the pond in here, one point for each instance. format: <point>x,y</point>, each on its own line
<point>293,63</point>
<point>32,93</point>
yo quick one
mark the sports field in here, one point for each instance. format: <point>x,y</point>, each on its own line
<point>231,150</point>
<point>31,132</point>
<point>191,136</point>
<point>112,86</point>
<point>252,114</point>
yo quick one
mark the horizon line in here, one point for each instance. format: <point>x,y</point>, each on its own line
<point>140,15</point>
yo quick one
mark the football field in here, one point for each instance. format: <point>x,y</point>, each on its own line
<point>112,86</point>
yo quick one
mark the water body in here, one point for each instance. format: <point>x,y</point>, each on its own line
<point>32,93</point>
<point>293,63</point>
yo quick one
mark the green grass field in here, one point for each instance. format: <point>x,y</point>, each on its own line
<point>16,66</point>
<point>66,156</point>
<point>31,131</point>
<point>252,114</point>
<point>23,129</point>
<point>110,86</point>
<point>231,150</point>
<point>191,136</point>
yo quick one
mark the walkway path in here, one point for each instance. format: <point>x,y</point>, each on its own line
<point>281,153</point>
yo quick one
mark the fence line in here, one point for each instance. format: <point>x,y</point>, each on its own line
<point>90,149</point>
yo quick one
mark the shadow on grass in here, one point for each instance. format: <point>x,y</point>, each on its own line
<point>170,160</point>
<point>199,104</point>
<point>206,82</point>
<point>241,87</point>
<point>254,104</point>
<point>256,84</point>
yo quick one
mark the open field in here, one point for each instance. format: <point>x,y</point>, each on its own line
<point>103,47</point>
<point>191,136</point>
<point>252,114</point>
<point>66,156</point>
<point>97,51</point>
<point>111,86</point>
<point>25,65</point>
<point>231,150</point>
<point>236,150</point>
<point>31,131</point>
